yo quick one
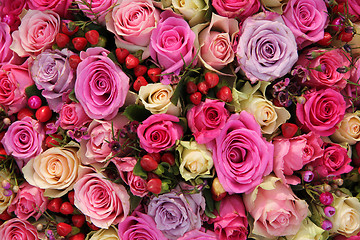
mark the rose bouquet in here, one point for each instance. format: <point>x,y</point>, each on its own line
<point>179,120</point>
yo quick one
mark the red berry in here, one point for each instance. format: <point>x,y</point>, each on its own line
<point>43,114</point>
<point>54,205</point>
<point>148,163</point>
<point>340,8</point>
<point>211,79</point>
<point>92,36</point>
<point>25,112</point>
<point>154,185</point>
<point>79,236</point>
<point>74,61</point>
<point>191,87</point>
<point>34,102</point>
<point>345,36</point>
<point>63,229</point>
<point>3,154</point>
<point>66,208</point>
<point>121,54</point>
<point>2,135</point>
<point>203,88</point>
<point>140,70</point>
<point>326,198</point>
<point>62,40</point>
<point>337,24</point>
<point>326,41</point>
<point>289,129</point>
<point>224,94</point>
<point>169,158</point>
<point>195,98</point>
<point>5,216</point>
<point>79,43</point>
<point>51,141</point>
<point>71,197</point>
<point>78,220</point>
<point>152,175</point>
<point>154,74</point>
<point>139,82</point>
<point>155,156</point>
<point>131,61</point>
<point>92,226</point>
<point>68,27</point>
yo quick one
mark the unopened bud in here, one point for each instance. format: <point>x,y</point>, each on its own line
<point>339,182</point>
<point>307,176</point>
<point>8,193</point>
<point>301,100</point>
<point>15,189</point>
<point>7,121</point>
<point>343,69</point>
<point>5,184</point>
<point>39,227</point>
<point>327,187</point>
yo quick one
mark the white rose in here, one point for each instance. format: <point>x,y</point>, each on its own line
<point>104,234</point>
<point>308,230</point>
<point>348,129</point>
<point>192,10</point>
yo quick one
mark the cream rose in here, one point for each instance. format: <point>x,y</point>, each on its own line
<point>104,234</point>
<point>192,10</point>
<point>156,98</point>
<point>348,129</point>
<point>346,220</point>
<point>275,5</point>
<point>195,160</point>
<point>308,230</point>
<point>56,170</point>
<point>4,200</point>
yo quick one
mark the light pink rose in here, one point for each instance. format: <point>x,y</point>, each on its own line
<point>321,111</point>
<point>275,209</point>
<point>132,23</point>
<point>236,9</point>
<point>207,119</point>
<point>100,7</point>
<point>291,154</point>
<point>5,41</point>
<point>103,201</point>
<point>307,19</point>
<point>36,33</point>
<point>16,228</point>
<point>29,202</point>
<point>72,115</point>
<point>59,6</point>
<point>13,82</point>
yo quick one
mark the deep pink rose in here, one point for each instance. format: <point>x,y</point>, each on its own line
<point>202,234</point>
<point>351,91</point>
<point>14,7</point>
<point>13,82</point>
<point>159,132</point>
<point>354,8</point>
<point>207,119</point>
<point>307,19</point>
<point>36,33</point>
<point>240,9</point>
<point>24,140</point>
<point>72,115</point>
<point>321,111</point>
<point>101,86</point>
<point>100,7</point>
<point>5,41</point>
<point>16,228</point>
<point>328,61</point>
<point>29,202</point>
<point>232,222</point>
<point>242,157</point>
<point>102,200</point>
<point>291,154</point>
<point>59,6</point>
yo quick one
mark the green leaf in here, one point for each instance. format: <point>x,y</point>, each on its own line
<point>112,56</point>
<point>346,191</point>
<point>72,96</point>
<point>139,171</point>
<point>209,213</point>
<point>134,201</point>
<point>178,91</point>
<point>136,113</point>
<point>208,199</point>
<point>159,170</point>
<point>32,91</point>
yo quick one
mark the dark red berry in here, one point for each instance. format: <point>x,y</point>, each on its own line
<point>195,98</point>
<point>5,216</point>
<point>131,61</point>
<point>79,236</point>
<point>62,40</point>
<point>3,154</point>
<point>54,205</point>
<point>51,141</point>
<point>169,158</point>
<point>78,220</point>
<point>79,43</point>
<point>346,36</point>
<point>225,94</point>
<point>92,36</point>
<point>92,226</point>
<point>339,8</point>
<point>326,41</point>
<point>63,229</point>
<point>148,163</point>
<point>203,88</point>
<point>337,24</point>
<point>139,82</point>
<point>154,185</point>
<point>155,156</point>
<point>71,197</point>
<point>154,74</point>
<point>289,129</point>
<point>43,114</point>
<point>140,70</point>
<point>74,61</point>
<point>25,112</point>
<point>191,87</point>
<point>66,208</point>
<point>121,54</point>
<point>68,27</point>
<point>211,79</point>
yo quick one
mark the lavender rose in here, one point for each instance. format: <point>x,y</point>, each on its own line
<point>267,48</point>
<point>101,86</point>
<point>53,75</point>
<point>16,228</point>
<point>24,140</point>
<point>236,9</point>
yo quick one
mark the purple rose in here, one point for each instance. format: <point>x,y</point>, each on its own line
<point>16,228</point>
<point>24,140</point>
<point>242,157</point>
<point>101,86</point>
<point>72,115</point>
<point>159,132</point>
<point>307,20</point>
<point>240,9</point>
<point>5,42</point>
<point>139,226</point>
<point>199,235</point>
<point>267,48</point>
<point>176,213</point>
<point>53,75</point>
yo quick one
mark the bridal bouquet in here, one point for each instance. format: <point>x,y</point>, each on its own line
<point>179,119</point>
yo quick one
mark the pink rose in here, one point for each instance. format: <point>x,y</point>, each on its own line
<point>72,115</point>
<point>322,111</point>
<point>202,234</point>
<point>242,157</point>
<point>329,61</point>
<point>24,140</point>
<point>29,202</point>
<point>36,33</point>
<point>207,119</point>
<point>59,6</point>
<point>275,209</point>
<point>307,19</point>
<point>232,222</point>
<point>103,201</point>
<point>132,23</point>
<point>351,91</point>
<point>16,228</point>
<point>101,86</point>
<point>13,82</point>
<point>100,7</point>
<point>353,6</point>
<point>159,132</point>
<point>291,154</point>
<point>14,7</point>
<point>5,41</point>
<point>236,9</point>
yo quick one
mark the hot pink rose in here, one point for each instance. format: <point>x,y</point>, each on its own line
<point>59,6</point>
<point>242,157</point>
<point>202,234</point>
<point>13,82</point>
<point>354,8</point>
<point>101,86</point>
<point>275,209</point>
<point>72,115</point>
<point>5,41</point>
<point>14,7</point>
<point>351,91</point>
<point>100,7</point>
<point>236,9</point>
<point>102,200</point>
<point>207,119</point>
<point>36,33</point>
<point>16,228</point>
<point>291,154</point>
<point>29,202</point>
<point>307,19</point>
<point>321,111</point>
<point>159,132</point>
<point>24,140</point>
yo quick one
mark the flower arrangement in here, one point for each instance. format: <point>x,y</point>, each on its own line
<point>148,119</point>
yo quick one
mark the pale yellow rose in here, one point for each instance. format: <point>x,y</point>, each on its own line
<point>4,200</point>
<point>348,130</point>
<point>104,234</point>
<point>274,5</point>
<point>156,97</point>
<point>193,11</point>
<point>308,230</point>
<point>195,160</point>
